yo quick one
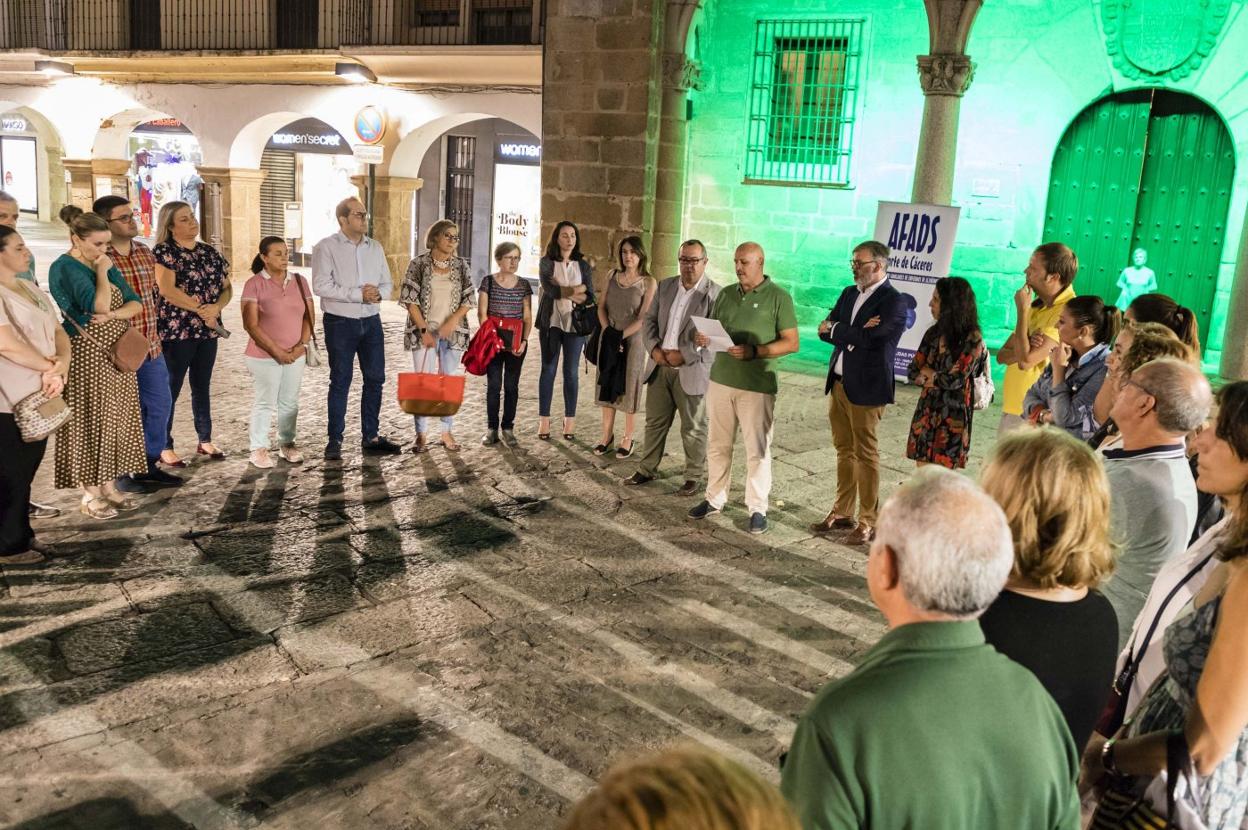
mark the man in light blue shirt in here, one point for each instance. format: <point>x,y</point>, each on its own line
<point>351,276</point>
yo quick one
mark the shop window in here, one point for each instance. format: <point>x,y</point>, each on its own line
<point>435,12</point>
<point>803,96</point>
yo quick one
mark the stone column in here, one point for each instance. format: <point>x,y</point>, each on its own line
<point>239,213</point>
<point>945,75</point>
<point>679,76</point>
<point>116,171</point>
<point>392,220</point>
<point>81,184</point>
<point>1235,340</point>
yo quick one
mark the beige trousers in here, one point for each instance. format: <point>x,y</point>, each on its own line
<point>754,412</point>
<point>857,456</point>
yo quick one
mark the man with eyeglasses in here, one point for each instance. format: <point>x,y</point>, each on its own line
<point>863,327</point>
<point>137,264</point>
<point>1153,501</point>
<point>351,276</point>
<point>682,371</point>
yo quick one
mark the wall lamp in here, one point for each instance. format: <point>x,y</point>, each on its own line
<point>54,67</point>
<point>354,72</point>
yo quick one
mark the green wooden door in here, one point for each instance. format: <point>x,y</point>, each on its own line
<point>1145,169</point>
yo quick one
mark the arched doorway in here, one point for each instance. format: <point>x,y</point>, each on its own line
<point>1151,169</point>
<point>164,167</point>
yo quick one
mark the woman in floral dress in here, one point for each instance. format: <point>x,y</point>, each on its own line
<point>950,355</point>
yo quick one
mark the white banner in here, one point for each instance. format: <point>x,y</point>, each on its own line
<point>517,214</point>
<point>920,239</point>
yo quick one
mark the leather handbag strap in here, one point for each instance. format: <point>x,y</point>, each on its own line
<point>90,338</point>
<point>307,308</point>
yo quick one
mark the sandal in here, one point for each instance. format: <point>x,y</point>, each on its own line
<point>122,502</point>
<point>98,508</point>
<point>453,446</point>
<point>213,454</point>
<point>568,435</point>
<point>624,453</point>
<point>170,459</point>
<point>543,436</point>
<point>420,445</point>
<point>602,449</point>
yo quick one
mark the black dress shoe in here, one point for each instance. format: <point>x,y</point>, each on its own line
<point>333,451</point>
<point>129,484</point>
<point>688,488</point>
<point>157,478</point>
<point>381,446</point>
<point>636,479</point>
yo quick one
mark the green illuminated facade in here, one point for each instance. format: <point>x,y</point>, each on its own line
<point>1108,125</point>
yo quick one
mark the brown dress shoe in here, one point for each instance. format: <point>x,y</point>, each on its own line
<point>833,521</point>
<point>862,535</point>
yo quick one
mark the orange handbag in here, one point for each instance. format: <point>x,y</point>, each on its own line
<point>430,393</point>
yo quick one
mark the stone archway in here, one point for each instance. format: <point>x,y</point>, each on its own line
<point>49,156</point>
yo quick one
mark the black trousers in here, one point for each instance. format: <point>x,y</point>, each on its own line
<point>17,471</point>
<point>502,376</point>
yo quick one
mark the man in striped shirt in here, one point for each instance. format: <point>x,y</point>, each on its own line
<point>135,262</point>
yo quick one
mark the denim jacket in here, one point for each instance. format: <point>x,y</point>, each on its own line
<point>1071,401</point>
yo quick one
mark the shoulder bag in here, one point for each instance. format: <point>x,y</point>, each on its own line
<point>312,356</point>
<point>38,415</point>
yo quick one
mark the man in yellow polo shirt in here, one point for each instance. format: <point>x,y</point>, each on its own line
<point>1049,276</point>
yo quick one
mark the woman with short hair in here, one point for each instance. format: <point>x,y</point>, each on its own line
<point>567,280</point>
<point>950,355</point>
<point>103,439</point>
<point>1050,618</point>
<point>437,292</point>
<point>275,314</point>
<point>34,358</point>
<point>507,296</point>
<point>194,284</point>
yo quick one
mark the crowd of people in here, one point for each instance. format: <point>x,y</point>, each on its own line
<point>1072,627</point>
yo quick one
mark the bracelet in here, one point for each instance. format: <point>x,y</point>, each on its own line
<point>1107,757</point>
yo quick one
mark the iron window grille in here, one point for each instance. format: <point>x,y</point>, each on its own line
<point>435,12</point>
<point>803,100</point>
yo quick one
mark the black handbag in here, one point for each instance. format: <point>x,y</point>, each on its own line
<point>585,318</point>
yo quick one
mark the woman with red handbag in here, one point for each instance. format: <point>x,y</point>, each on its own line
<point>437,291</point>
<point>506,301</point>
<point>103,439</point>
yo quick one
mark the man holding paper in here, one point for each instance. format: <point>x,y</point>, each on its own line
<point>759,318</point>
<point>681,371</point>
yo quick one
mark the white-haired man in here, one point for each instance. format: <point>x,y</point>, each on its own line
<point>1153,500</point>
<point>935,728</point>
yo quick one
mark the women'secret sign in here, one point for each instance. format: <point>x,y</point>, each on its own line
<point>920,240</point>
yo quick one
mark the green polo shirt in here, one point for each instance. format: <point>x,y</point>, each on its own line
<point>934,729</point>
<point>755,317</point>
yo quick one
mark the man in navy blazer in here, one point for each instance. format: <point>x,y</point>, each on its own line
<point>864,327</point>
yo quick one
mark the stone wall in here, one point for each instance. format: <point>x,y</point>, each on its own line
<point>600,119</point>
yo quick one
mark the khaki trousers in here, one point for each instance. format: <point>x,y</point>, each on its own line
<point>726,409</point>
<point>664,398</point>
<point>857,455</point>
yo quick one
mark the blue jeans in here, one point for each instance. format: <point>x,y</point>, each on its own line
<point>345,339</point>
<point>156,403</point>
<point>449,359</point>
<point>196,357</point>
<point>555,342</point>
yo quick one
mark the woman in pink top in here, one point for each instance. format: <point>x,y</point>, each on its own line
<point>275,316</point>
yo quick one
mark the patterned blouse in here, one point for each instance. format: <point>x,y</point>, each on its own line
<point>201,272</point>
<point>417,289</point>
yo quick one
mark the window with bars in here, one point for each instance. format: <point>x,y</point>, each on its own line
<point>803,97</point>
<point>435,12</point>
<point>461,166</point>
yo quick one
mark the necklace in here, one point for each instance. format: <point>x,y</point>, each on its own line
<point>441,266</point>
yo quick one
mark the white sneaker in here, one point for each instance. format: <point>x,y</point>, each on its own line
<point>261,459</point>
<point>291,454</point>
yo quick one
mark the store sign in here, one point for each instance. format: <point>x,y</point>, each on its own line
<point>292,220</point>
<point>308,135</point>
<point>163,125</point>
<point>517,213</point>
<point>366,154</point>
<point>11,122</point>
<point>517,152</point>
<point>370,125</point>
<point>920,241</point>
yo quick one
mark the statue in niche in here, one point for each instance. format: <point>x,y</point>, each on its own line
<point>1136,279</point>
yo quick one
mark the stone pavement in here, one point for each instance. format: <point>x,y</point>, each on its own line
<point>436,641</point>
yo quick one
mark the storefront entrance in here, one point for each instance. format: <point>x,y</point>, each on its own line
<point>1148,169</point>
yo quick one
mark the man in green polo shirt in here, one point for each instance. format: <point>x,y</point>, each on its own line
<point>759,317</point>
<point>935,728</point>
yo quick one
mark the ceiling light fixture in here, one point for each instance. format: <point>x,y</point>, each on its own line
<point>54,67</point>
<point>354,72</point>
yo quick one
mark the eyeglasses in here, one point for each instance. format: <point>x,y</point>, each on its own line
<point>856,264</point>
<point>511,258</point>
<point>691,260</point>
<point>1139,386</point>
<point>129,217</point>
<point>358,214</point>
<point>450,237</point>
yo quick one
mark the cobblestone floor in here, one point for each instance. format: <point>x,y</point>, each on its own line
<point>437,641</point>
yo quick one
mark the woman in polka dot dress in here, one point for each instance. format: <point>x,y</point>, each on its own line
<point>104,438</point>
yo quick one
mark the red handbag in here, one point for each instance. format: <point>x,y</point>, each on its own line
<point>429,393</point>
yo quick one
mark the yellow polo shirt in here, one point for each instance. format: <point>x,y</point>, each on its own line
<point>1018,381</point>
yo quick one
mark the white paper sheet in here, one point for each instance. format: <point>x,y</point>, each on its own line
<point>720,341</point>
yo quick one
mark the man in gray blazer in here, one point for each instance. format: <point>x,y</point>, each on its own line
<point>682,370</point>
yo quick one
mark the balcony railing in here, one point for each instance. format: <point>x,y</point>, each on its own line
<point>190,25</point>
